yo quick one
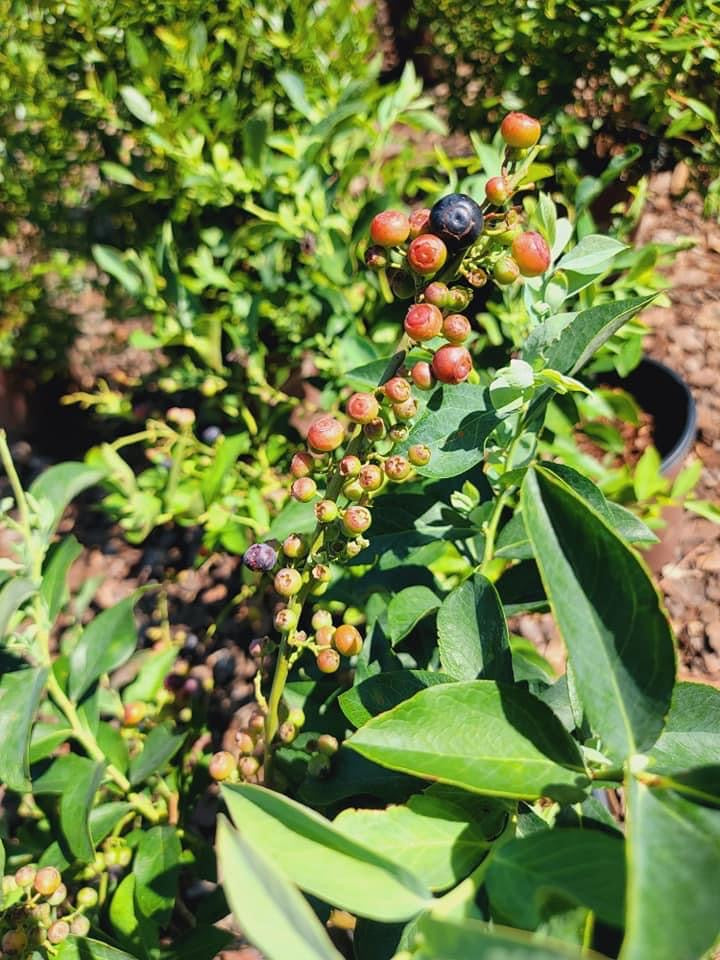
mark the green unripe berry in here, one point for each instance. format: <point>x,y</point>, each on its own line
<point>419,454</point>
<point>297,718</point>
<point>321,618</point>
<point>222,765</point>
<point>506,270</point>
<point>248,766</point>
<point>285,620</point>
<point>327,745</point>
<point>244,742</point>
<point>303,489</point>
<point>287,582</point>
<point>60,895</point>
<point>353,490</point>
<point>407,410</point>
<point>286,732</point>
<point>294,546</point>
<point>86,897</point>
<point>326,511</point>
<point>80,927</point>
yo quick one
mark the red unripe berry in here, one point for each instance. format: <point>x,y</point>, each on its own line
<point>324,635</point>
<point>506,270</point>
<point>422,375</point>
<point>397,390</point>
<point>497,190</point>
<point>47,880</point>
<point>287,582</point>
<point>419,454</point>
<point>531,253</point>
<point>326,511</point>
<point>426,254</point>
<point>328,660</point>
<point>456,328</point>
<point>326,434</point>
<point>347,640</point>
<point>356,520</point>
<point>397,468</point>
<point>375,430</point>
<point>389,228</point>
<point>519,130</point>
<point>134,713</point>
<point>294,546</point>
<point>303,489</point>
<point>350,466</point>
<point>362,407</point>
<point>375,257</point>
<point>221,765</point>
<point>371,477</point>
<point>419,221</point>
<point>436,293</point>
<point>302,465</point>
<point>423,321</point>
<point>452,364</point>
<point>407,410</point>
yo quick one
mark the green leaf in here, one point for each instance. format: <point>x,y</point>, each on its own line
<point>314,854</point>
<point>691,737</point>
<point>156,867</point>
<point>294,87</point>
<point>619,641</point>
<point>439,836</point>
<point>592,255</point>
<point>160,747</point>
<point>455,425</point>
<point>75,803</point>
<point>443,939</point>
<point>62,483</point>
<point>385,690</point>
<point>89,949</point>
<point>673,863</point>
<point>532,878</point>
<point>482,736</point>
<point>13,595</point>
<point>131,927</point>
<point>273,915</point>
<point>224,456</point>
<point>138,105</point>
<point>118,173</point>
<point>154,667</point>
<point>20,693</point>
<point>114,745</point>
<point>354,776</point>
<point>472,633</point>
<point>54,589</point>
<point>111,261</point>
<point>407,608</point>
<point>105,644</point>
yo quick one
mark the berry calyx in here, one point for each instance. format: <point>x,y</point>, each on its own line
<point>328,660</point>
<point>419,454</point>
<point>419,221</point>
<point>350,466</point>
<point>456,328</point>
<point>531,253</point>
<point>371,477</point>
<point>326,434</point>
<point>389,228</point>
<point>326,511</point>
<point>426,254</point>
<point>134,713</point>
<point>520,131</point>
<point>457,220</point>
<point>260,557</point>
<point>302,464</point>
<point>287,582</point>
<point>375,257</point>
<point>397,389</point>
<point>222,765</point>
<point>347,640</point>
<point>375,430</point>
<point>497,190</point>
<point>356,520</point>
<point>397,468</point>
<point>452,364</point>
<point>362,407</point>
<point>47,880</point>
<point>423,321</point>
<point>422,375</point>
<point>303,489</point>
<point>506,270</point>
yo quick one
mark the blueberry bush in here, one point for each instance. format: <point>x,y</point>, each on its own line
<point>413,781</point>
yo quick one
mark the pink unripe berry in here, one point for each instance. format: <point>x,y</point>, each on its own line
<point>407,410</point>
<point>436,293</point>
<point>426,254</point>
<point>389,228</point>
<point>303,489</point>
<point>506,270</point>
<point>222,765</point>
<point>362,407</point>
<point>356,520</point>
<point>423,321</point>
<point>397,390</point>
<point>456,328</point>
<point>350,466</point>
<point>422,375</point>
<point>302,464</point>
<point>419,454</point>
<point>326,434</point>
<point>519,130</point>
<point>452,364</point>
<point>397,468</point>
<point>58,931</point>
<point>324,635</point>
<point>371,477</point>
<point>287,582</point>
<point>294,546</point>
<point>326,511</point>
<point>347,640</point>
<point>531,253</point>
<point>328,660</point>
<point>418,222</point>
<point>497,190</point>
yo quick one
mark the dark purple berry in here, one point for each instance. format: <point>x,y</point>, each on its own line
<point>260,556</point>
<point>457,220</point>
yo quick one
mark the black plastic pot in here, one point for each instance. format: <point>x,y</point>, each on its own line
<point>663,394</point>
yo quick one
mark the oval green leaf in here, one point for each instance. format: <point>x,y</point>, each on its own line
<point>472,633</point>
<point>104,645</point>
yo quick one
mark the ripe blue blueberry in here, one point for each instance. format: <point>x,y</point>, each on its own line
<point>457,220</point>
<point>260,556</point>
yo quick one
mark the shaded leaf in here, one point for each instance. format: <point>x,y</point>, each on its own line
<point>13,595</point>
<point>61,483</point>
<point>54,589</point>
<point>20,693</point>
<point>160,747</point>
<point>407,608</point>
<point>156,867</point>
<point>385,690</point>
<point>103,646</point>
<point>472,633</point>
